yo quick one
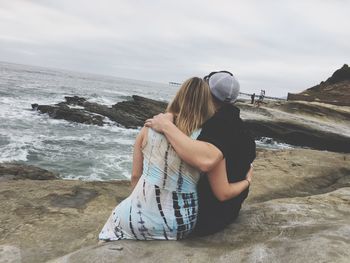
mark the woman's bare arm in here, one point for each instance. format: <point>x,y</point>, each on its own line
<point>137,160</point>
<point>202,155</point>
<point>222,189</point>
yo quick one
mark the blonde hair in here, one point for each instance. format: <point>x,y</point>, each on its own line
<point>192,105</point>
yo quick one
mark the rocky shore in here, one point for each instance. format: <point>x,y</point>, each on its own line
<point>310,124</point>
<point>298,210</point>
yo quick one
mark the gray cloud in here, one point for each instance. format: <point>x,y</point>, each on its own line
<point>279,46</point>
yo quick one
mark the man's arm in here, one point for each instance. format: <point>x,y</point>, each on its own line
<point>199,154</point>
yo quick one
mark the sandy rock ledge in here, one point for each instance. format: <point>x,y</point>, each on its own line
<point>298,211</point>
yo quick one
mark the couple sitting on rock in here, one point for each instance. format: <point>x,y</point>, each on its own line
<point>191,166</point>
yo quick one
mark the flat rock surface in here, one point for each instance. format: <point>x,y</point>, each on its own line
<point>298,210</point>
<point>312,229</point>
<point>45,219</point>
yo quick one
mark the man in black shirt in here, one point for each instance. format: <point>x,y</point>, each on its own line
<point>222,136</point>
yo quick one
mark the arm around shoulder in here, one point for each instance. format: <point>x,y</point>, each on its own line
<point>199,154</point>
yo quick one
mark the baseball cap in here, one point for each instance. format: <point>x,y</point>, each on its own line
<point>223,85</point>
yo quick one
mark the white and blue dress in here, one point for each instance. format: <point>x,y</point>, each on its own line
<point>164,203</point>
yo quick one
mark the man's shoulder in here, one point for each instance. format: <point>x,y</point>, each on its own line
<point>226,115</point>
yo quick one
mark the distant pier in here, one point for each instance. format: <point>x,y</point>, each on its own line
<point>174,84</point>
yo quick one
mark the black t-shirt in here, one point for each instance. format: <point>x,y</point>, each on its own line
<point>228,133</point>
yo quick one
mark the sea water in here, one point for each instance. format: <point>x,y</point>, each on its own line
<point>74,150</point>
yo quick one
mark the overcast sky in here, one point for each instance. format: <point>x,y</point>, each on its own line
<point>280,46</point>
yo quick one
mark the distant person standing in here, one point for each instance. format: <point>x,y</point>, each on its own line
<point>252,98</point>
<point>261,98</point>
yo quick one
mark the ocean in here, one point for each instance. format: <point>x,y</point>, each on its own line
<point>75,151</point>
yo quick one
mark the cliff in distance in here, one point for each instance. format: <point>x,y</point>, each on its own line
<point>335,90</point>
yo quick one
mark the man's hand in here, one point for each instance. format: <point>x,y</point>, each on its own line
<point>159,121</point>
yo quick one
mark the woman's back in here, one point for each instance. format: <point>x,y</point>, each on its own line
<point>164,203</point>
<point>163,167</point>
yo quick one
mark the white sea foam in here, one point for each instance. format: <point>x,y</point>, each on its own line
<point>16,148</point>
<point>266,142</point>
<point>13,153</point>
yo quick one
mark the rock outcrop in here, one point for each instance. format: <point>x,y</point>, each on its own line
<point>299,135</point>
<point>130,114</point>
<point>298,210</point>
<point>335,90</point>
<point>314,125</point>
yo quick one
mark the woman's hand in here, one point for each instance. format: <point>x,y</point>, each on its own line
<point>249,175</point>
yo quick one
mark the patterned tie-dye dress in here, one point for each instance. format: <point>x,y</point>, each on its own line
<point>164,204</point>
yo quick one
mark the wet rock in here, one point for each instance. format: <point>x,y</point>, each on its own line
<point>135,112</point>
<point>62,111</point>
<point>130,113</point>
<point>75,100</point>
<point>15,171</point>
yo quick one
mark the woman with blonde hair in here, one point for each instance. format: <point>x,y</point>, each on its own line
<point>163,204</point>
